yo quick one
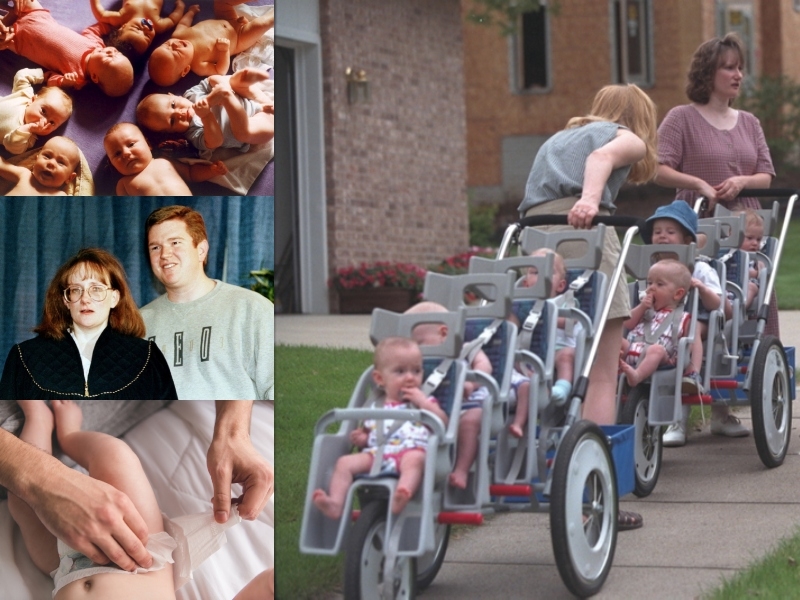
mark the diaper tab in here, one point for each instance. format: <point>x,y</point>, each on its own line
<point>197,537</point>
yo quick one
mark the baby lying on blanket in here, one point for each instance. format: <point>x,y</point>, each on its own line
<point>179,549</point>
<point>205,48</point>
<point>136,23</point>
<point>228,111</point>
<point>145,175</point>
<point>55,166</point>
<point>25,114</point>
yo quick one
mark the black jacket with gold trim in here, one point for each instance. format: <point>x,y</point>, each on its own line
<point>123,368</point>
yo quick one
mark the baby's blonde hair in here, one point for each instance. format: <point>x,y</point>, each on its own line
<point>387,346</point>
<point>677,272</point>
<point>51,90</point>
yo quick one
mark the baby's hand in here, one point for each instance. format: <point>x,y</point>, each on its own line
<point>194,9</point>
<point>647,301</point>
<point>413,395</point>
<point>70,79</point>
<point>223,44</point>
<point>201,108</point>
<point>358,437</point>
<point>179,4</point>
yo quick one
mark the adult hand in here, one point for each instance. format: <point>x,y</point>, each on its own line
<point>232,459</point>
<point>91,516</point>
<point>581,214</point>
<point>729,189</point>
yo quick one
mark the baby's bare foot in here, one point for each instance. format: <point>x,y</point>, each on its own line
<point>631,376</point>
<point>458,480</point>
<point>326,505</point>
<point>69,417</point>
<point>35,409</point>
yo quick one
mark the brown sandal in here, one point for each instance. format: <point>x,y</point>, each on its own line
<point>627,520</point>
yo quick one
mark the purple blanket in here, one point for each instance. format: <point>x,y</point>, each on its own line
<point>94,112</point>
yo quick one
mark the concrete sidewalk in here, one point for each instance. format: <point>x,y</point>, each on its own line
<point>715,510</point>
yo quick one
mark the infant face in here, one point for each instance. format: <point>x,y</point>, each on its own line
<point>111,70</point>
<point>168,113</point>
<point>56,163</point>
<point>50,110</point>
<point>170,61</point>
<point>138,32</point>
<point>127,149</point>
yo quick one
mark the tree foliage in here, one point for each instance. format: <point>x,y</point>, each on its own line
<point>505,14</point>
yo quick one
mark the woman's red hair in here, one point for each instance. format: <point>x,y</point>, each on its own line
<point>124,318</point>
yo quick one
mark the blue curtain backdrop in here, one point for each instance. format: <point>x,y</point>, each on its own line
<point>37,235</point>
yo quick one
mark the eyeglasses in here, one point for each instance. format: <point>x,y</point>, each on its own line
<point>74,293</point>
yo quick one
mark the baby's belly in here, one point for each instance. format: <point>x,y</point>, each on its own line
<point>155,585</point>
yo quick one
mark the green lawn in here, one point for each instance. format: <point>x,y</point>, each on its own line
<point>787,286</point>
<point>312,381</point>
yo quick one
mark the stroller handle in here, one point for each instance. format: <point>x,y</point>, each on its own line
<point>612,220</point>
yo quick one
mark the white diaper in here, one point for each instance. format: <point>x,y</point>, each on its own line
<point>197,537</point>
<point>74,565</point>
<point>187,541</point>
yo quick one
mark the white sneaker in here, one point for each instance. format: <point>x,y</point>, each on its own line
<point>675,435</point>
<point>729,426</point>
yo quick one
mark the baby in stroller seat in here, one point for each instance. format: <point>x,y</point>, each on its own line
<point>400,447</point>
<point>565,343</point>
<point>433,334</point>
<point>656,323</point>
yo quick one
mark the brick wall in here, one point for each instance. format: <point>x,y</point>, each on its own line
<point>396,166</point>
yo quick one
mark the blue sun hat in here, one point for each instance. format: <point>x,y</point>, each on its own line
<point>679,211</point>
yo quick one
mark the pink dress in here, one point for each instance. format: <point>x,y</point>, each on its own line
<point>691,145</point>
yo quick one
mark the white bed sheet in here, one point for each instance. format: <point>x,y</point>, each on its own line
<point>171,445</point>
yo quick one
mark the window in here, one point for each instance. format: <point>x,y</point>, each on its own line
<point>531,60</point>
<point>632,42</point>
<point>738,18</point>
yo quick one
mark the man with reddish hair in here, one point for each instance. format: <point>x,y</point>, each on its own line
<point>217,337</point>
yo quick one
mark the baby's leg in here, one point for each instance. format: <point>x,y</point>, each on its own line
<point>331,504</point>
<point>247,82</point>
<point>517,427</point>
<point>258,129</point>
<point>752,292</point>
<point>653,356</point>
<point>108,459</point>
<point>40,543</point>
<point>412,465</point>
<point>469,426</point>
<point>565,364</point>
<point>250,31</point>
<point>262,587</point>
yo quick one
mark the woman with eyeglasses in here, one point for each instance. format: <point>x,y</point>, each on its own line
<point>89,343</point>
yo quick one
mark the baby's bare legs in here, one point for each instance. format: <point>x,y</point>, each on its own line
<point>412,465</point>
<point>654,355</point>
<point>40,543</point>
<point>262,587</point>
<point>108,459</point>
<point>247,82</point>
<point>331,504</point>
<point>565,364</point>
<point>469,425</point>
<point>517,427</point>
<point>258,129</point>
